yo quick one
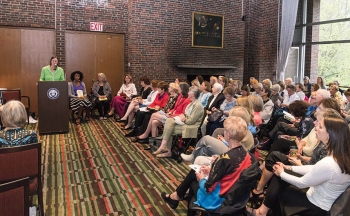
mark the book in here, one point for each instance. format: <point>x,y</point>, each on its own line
<point>80,93</point>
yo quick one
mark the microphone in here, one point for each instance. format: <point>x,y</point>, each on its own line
<point>55,66</point>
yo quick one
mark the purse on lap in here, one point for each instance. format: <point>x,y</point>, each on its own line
<point>215,116</point>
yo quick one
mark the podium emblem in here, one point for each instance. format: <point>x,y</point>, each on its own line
<point>53,93</point>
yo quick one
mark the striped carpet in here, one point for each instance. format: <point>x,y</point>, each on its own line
<point>94,170</point>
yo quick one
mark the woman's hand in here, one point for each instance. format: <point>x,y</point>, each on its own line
<point>182,117</point>
<point>295,161</point>
<point>208,112</point>
<point>168,115</point>
<point>278,168</point>
<point>205,170</point>
<point>213,109</point>
<point>200,175</point>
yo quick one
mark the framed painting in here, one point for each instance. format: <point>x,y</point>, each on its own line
<point>207,30</point>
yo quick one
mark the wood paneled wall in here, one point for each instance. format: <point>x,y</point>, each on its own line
<point>93,53</point>
<point>23,53</point>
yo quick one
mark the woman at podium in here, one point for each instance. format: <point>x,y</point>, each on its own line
<point>52,72</point>
<point>78,97</point>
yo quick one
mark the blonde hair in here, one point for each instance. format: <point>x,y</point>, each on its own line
<point>258,103</point>
<point>175,87</point>
<point>14,114</point>
<point>103,76</point>
<point>236,127</point>
<point>214,78</point>
<point>267,82</point>
<point>195,82</point>
<point>248,105</point>
<point>240,112</point>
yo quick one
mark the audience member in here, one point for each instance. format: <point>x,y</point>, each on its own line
<point>290,96</point>
<point>14,117</point>
<point>101,91</point>
<point>211,192</point>
<point>185,124</point>
<point>79,102</point>
<point>267,83</point>
<point>321,83</point>
<point>205,93</point>
<point>213,80</point>
<point>267,110</point>
<point>223,81</point>
<point>258,106</point>
<point>307,85</point>
<point>275,97</point>
<point>145,87</point>
<point>125,94</point>
<point>257,87</point>
<point>299,91</point>
<point>245,90</point>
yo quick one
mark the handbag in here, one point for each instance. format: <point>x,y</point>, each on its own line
<point>215,116</point>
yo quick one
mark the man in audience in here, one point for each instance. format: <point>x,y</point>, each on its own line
<point>290,97</point>
<point>307,84</point>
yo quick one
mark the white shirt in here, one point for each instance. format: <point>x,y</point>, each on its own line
<point>267,111</point>
<point>290,99</point>
<point>129,90</point>
<point>301,94</point>
<point>325,180</point>
<point>150,98</point>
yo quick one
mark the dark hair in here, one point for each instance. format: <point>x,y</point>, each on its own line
<point>291,87</point>
<point>339,141</point>
<point>154,83</point>
<point>184,89</point>
<point>316,86</point>
<point>53,57</point>
<point>301,86</point>
<point>207,86</point>
<point>246,88</point>
<point>145,79</point>
<point>347,93</point>
<point>225,80</point>
<point>282,85</point>
<point>229,90</point>
<point>330,103</point>
<point>127,75</point>
<point>163,85</point>
<point>298,108</point>
<point>200,79</point>
<point>322,82</point>
<point>77,72</point>
<point>268,91</point>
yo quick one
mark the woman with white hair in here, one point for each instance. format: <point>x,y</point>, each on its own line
<point>214,101</point>
<point>13,118</point>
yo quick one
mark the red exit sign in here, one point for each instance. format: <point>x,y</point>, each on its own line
<point>96,26</point>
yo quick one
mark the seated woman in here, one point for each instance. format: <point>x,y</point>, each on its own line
<point>267,110</point>
<point>186,124</point>
<point>13,118</point>
<point>125,94</point>
<point>275,97</point>
<point>326,179</point>
<point>245,90</point>
<point>248,105</point>
<point>208,146</point>
<point>258,105</point>
<point>213,80</point>
<point>142,118</point>
<point>79,103</point>
<point>101,90</point>
<point>145,87</point>
<point>212,184</point>
<point>205,93</point>
<point>236,85</point>
<point>225,107</point>
<point>159,118</point>
<point>137,103</point>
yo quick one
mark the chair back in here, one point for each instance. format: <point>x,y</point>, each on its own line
<point>8,95</point>
<point>20,162</point>
<point>14,197</point>
<point>341,204</point>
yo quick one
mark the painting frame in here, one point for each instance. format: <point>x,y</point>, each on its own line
<point>207,30</point>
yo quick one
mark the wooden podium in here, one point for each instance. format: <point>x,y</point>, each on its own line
<point>53,107</point>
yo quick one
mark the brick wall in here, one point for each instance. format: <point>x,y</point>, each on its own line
<point>261,40</point>
<point>158,33</point>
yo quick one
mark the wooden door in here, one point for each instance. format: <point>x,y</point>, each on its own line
<point>10,58</point>
<point>93,53</point>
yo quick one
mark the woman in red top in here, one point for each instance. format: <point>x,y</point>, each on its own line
<point>160,118</point>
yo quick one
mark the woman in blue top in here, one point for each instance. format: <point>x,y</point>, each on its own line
<point>78,97</point>
<point>14,117</point>
<point>205,93</point>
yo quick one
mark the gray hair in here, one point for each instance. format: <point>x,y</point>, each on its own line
<point>195,90</point>
<point>324,93</point>
<point>218,86</point>
<point>14,114</point>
